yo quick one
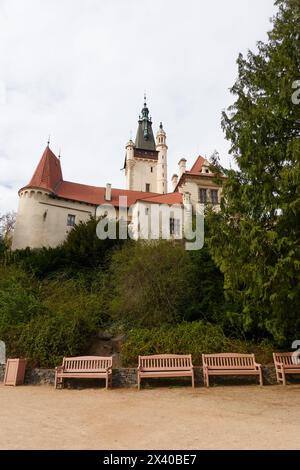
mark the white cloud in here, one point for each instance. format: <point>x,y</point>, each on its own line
<point>78,69</point>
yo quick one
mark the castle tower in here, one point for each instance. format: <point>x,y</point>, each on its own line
<point>32,225</point>
<point>162,167</point>
<point>145,160</point>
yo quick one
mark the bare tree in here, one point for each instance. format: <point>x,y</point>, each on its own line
<point>7,225</point>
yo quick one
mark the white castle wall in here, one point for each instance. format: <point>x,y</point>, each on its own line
<point>192,185</point>
<point>42,219</point>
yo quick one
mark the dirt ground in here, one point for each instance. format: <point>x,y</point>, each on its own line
<point>223,417</point>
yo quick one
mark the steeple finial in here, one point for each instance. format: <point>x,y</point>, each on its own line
<point>161,126</point>
<point>48,142</point>
<point>59,155</point>
<point>145,104</point>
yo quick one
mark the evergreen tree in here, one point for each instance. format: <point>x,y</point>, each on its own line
<point>256,236</point>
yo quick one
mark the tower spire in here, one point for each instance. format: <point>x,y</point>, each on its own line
<point>144,137</point>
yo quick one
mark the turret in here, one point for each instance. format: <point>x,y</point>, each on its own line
<point>162,164</point>
<point>129,164</point>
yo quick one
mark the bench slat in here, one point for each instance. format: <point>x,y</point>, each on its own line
<point>230,364</point>
<point>229,361</point>
<point>165,365</point>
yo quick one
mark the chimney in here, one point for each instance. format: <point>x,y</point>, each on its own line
<point>108,192</point>
<point>182,166</point>
<point>174,181</point>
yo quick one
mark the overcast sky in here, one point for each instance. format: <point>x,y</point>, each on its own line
<point>77,70</point>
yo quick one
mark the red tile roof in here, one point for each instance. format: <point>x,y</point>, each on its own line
<point>48,173</point>
<point>197,167</point>
<point>196,171</point>
<point>48,176</point>
<point>170,198</point>
<point>96,195</point>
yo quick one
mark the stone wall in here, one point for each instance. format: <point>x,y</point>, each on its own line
<point>2,369</point>
<point>127,377</point>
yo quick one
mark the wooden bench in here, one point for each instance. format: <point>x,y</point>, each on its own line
<point>286,363</point>
<point>230,364</point>
<point>165,365</point>
<point>84,367</point>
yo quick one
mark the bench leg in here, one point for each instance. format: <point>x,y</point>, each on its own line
<point>55,381</point>
<point>277,375</point>
<point>108,381</point>
<point>139,381</point>
<point>283,377</point>
<point>206,379</point>
<point>260,378</point>
<point>193,379</point>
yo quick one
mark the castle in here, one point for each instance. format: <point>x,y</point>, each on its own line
<point>49,206</point>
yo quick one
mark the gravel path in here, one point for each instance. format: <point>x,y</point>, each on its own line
<point>223,417</point>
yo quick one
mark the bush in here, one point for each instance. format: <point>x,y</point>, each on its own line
<point>194,338</point>
<point>160,282</point>
<point>46,320</point>
<point>82,251</point>
<point>19,297</point>
<point>46,339</point>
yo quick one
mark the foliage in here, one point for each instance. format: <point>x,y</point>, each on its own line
<point>193,338</point>
<point>83,248</point>
<point>160,282</point>
<point>46,320</point>
<point>81,251</point>
<point>19,297</point>
<point>255,238</point>
<point>7,224</point>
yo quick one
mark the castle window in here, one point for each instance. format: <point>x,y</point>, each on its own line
<point>151,169</point>
<point>203,195</point>
<point>147,188</point>
<point>71,220</point>
<point>174,226</point>
<point>214,196</point>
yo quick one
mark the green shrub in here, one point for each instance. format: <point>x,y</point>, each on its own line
<point>193,338</point>
<point>160,282</point>
<point>82,251</point>
<point>46,320</point>
<point>46,339</point>
<point>19,297</point>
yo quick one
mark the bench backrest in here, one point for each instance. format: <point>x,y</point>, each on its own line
<point>288,359</point>
<point>166,362</point>
<point>86,364</point>
<point>228,361</point>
